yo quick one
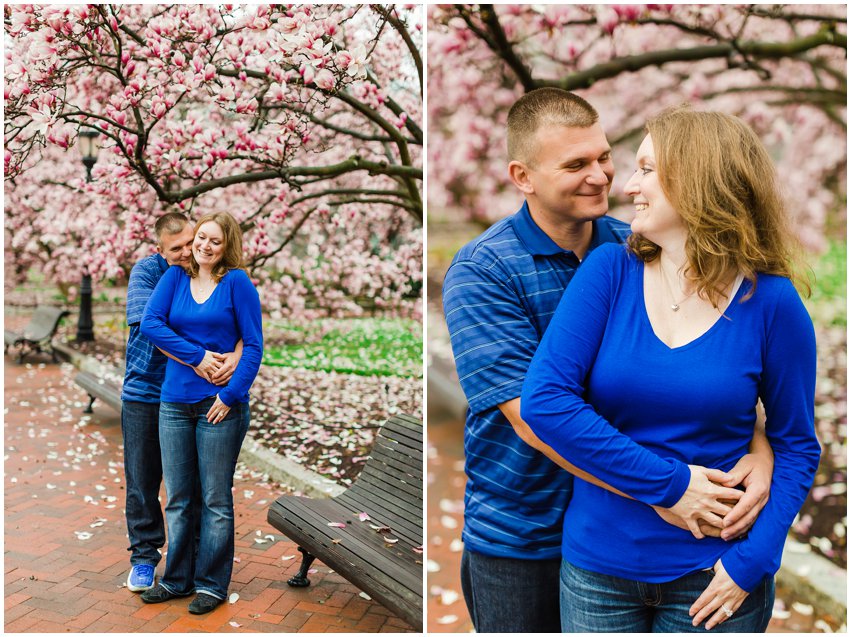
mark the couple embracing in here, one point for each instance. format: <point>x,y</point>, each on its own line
<point>621,475</point>
<point>193,352</point>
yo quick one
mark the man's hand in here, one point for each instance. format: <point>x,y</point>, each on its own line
<point>209,365</point>
<point>705,500</point>
<point>753,472</point>
<point>228,363</point>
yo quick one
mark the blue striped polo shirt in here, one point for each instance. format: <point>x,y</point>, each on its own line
<point>145,371</point>
<point>499,295</point>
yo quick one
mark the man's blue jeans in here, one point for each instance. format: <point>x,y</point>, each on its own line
<point>594,603</point>
<point>191,448</point>
<point>506,595</point>
<point>143,473</point>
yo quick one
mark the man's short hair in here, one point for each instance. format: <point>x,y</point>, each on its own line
<point>170,223</point>
<point>544,107</point>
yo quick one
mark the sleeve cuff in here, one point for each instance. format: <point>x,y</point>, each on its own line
<point>199,357</point>
<point>491,397</point>
<point>678,486</point>
<point>225,396</point>
<point>746,576</point>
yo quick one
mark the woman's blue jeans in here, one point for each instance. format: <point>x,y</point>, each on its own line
<point>191,447</point>
<point>593,603</point>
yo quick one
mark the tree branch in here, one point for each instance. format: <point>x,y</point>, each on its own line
<point>762,50</point>
<point>353,164</point>
<point>401,29</point>
<point>503,48</point>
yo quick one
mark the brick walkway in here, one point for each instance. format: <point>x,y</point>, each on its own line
<point>447,611</point>
<point>65,536</point>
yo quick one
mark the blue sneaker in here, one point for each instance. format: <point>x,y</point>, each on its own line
<point>141,578</point>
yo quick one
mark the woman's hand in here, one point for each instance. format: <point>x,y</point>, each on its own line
<point>209,365</point>
<point>705,500</point>
<point>719,601</point>
<point>753,472</point>
<point>217,412</point>
<point>228,363</point>
<point>674,520</point>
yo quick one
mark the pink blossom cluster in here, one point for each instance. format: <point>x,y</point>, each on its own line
<point>304,121</point>
<point>795,99</point>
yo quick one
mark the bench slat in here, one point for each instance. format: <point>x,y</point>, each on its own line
<point>395,481</point>
<point>399,456</point>
<point>403,437</point>
<point>376,491</point>
<point>396,465</point>
<point>373,491</point>
<point>402,432</point>
<point>396,520</point>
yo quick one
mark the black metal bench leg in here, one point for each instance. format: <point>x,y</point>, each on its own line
<point>300,579</point>
<point>89,410</point>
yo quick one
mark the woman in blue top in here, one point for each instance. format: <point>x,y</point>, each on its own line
<point>651,370</point>
<point>194,316</point>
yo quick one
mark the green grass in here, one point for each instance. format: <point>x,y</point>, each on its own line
<point>379,347</point>
<point>827,304</point>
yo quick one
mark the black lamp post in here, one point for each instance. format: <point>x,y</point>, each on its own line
<point>88,143</point>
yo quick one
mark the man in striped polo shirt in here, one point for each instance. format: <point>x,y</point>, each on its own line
<point>499,294</point>
<point>140,404</point>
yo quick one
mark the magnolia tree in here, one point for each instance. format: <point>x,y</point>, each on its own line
<point>779,67</point>
<point>302,121</point>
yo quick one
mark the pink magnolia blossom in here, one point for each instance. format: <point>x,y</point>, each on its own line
<point>795,103</point>
<point>190,111</point>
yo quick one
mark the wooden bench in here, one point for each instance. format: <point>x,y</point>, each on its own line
<point>38,332</point>
<point>106,386</point>
<point>390,491</point>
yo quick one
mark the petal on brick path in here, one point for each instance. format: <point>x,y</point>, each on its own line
<point>447,619</point>
<point>233,598</point>
<point>448,597</point>
<point>101,562</point>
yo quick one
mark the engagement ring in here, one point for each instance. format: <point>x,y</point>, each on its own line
<point>726,610</point>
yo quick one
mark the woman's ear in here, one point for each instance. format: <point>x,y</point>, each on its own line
<point>518,172</point>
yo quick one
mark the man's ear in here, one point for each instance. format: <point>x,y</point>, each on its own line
<point>518,172</point>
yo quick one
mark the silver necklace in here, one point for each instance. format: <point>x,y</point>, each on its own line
<point>675,305</point>
<point>202,287</point>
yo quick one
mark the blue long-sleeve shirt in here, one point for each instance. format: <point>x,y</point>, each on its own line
<point>179,325</point>
<point>615,401</point>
